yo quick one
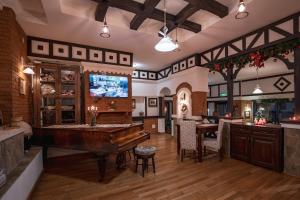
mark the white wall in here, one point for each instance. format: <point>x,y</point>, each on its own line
<point>152,111</point>
<point>139,106</point>
<point>144,88</point>
<point>197,77</point>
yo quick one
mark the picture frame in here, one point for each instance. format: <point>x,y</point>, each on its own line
<point>22,86</point>
<point>152,102</point>
<point>247,114</point>
<point>133,104</point>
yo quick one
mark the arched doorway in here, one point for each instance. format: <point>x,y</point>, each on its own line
<point>166,101</point>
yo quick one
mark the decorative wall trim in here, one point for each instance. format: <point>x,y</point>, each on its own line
<point>176,67</point>
<point>281,88</point>
<point>280,31</point>
<point>46,48</point>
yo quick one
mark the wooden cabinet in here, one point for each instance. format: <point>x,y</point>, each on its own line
<point>259,145</point>
<point>56,95</point>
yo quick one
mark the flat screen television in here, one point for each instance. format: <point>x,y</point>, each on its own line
<point>108,86</point>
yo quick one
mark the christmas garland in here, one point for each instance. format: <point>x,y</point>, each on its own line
<point>256,59</point>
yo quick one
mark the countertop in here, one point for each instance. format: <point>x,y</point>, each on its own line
<point>9,132</point>
<point>262,126</point>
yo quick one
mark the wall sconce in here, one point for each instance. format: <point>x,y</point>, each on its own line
<point>28,69</point>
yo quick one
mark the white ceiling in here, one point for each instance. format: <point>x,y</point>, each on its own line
<point>73,21</point>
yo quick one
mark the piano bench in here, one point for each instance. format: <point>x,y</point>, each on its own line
<point>144,154</point>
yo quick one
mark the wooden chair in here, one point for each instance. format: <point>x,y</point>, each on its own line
<point>188,138</point>
<point>215,144</point>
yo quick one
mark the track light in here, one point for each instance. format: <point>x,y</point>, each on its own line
<point>242,13</point>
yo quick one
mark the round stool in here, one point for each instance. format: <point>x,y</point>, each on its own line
<point>144,153</point>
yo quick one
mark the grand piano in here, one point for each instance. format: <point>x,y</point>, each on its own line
<point>102,140</point>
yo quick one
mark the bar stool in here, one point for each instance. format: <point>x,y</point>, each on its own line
<point>145,153</point>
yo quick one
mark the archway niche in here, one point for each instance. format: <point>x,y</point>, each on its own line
<point>165,92</point>
<point>183,103</point>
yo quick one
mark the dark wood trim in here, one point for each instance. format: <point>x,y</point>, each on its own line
<point>146,107</point>
<point>70,45</point>
<point>265,29</point>
<point>254,79</point>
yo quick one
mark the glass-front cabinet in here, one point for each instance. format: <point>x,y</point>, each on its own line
<point>56,95</point>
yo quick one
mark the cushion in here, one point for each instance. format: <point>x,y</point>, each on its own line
<point>145,150</point>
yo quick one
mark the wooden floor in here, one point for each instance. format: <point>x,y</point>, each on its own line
<point>211,179</point>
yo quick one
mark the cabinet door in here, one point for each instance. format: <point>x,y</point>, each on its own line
<point>239,147</point>
<point>263,151</point>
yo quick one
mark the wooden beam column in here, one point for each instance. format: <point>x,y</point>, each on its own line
<point>229,79</point>
<point>297,81</point>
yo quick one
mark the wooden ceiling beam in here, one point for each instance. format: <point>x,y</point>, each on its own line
<point>137,8</point>
<point>138,19</point>
<point>101,11</point>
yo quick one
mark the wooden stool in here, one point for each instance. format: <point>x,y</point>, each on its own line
<point>144,154</point>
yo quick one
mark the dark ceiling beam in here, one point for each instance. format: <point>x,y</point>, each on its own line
<point>211,6</point>
<point>101,11</point>
<point>181,17</point>
<point>195,5</point>
<point>136,7</point>
<point>139,18</point>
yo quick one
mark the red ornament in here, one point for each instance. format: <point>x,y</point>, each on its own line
<point>256,60</point>
<point>217,67</point>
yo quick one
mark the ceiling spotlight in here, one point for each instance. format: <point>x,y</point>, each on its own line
<point>105,33</point>
<point>165,44</point>
<point>242,13</point>
<point>28,70</point>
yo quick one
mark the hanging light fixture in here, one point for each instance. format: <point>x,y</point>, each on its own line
<point>176,43</point>
<point>257,89</point>
<point>165,44</point>
<point>105,33</point>
<point>242,13</point>
<point>28,69</point>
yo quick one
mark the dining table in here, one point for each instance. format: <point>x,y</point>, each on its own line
<point>201,129</point>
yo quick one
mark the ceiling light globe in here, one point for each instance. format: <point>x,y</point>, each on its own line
<point>105,29</point>
<point>165,45</point>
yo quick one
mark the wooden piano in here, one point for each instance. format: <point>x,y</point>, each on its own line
<point>102,140</point>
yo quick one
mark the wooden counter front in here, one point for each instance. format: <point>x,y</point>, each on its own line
<point>259,145</point>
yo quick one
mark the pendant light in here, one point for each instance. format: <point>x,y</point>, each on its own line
<point>177,43</point>
<point>28,70</point>
<point>242,13</point>
<point>165,44</point>
<point>105,33</point>
<point>257,89</point>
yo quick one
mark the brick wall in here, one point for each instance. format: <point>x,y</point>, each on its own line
<point>12,52</point>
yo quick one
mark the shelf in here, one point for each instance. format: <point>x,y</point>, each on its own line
<point>67,96</point>
<point>47,82</point>
<point>115,111</point>
<point>68,82</point>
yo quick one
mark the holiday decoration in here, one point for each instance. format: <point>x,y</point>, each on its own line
<point>259,117</point>
<point>256,59</point>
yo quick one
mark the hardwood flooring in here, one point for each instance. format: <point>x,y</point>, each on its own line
<point>76,178</point>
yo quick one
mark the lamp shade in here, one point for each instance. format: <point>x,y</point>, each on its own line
<point>28,70</point>
<point>257,90</point>
<point>165,45</point>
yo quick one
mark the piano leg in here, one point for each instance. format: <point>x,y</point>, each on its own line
<point>101,165</point>
<point>121,160</point>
